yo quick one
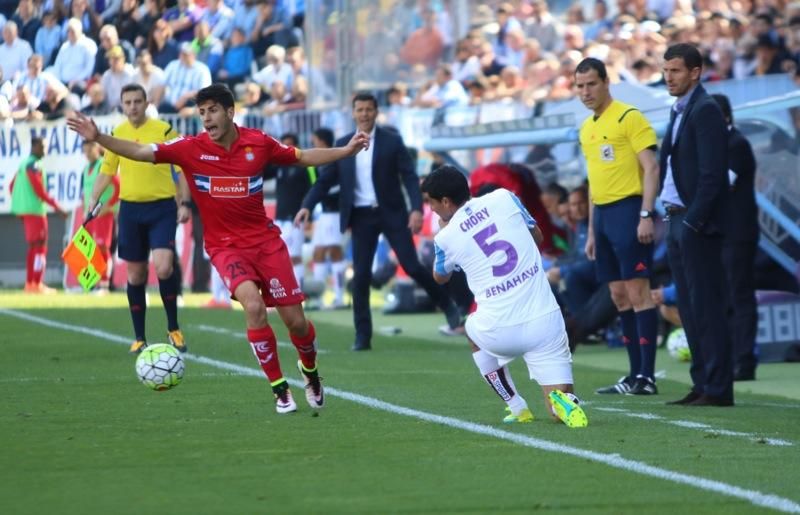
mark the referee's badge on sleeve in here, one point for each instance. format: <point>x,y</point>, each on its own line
<point>607,152</point>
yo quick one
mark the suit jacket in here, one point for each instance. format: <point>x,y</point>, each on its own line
<point>391,167</point>
<point>742,210</point>
<point>700,163</point>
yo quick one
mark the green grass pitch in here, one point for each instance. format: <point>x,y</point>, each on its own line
<point>408,428</point>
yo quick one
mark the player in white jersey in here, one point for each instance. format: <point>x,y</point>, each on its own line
<point>493,240</point>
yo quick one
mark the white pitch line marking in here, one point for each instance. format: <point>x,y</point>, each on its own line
<point>689,424</point>
<point>614,460</point>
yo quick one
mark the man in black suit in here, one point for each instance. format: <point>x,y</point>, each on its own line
<point>739,247</point>
<point>694,178</point>
<point>371,202</point>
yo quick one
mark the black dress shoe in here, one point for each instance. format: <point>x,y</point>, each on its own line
<point>744,374</point>
<point>710,400</point>
<point>358,346</point>
<point>690,397</point>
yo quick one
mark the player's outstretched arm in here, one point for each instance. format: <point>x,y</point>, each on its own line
<point>322,156</point>
<point>87,129</point>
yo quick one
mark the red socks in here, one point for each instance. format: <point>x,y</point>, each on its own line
<point>307,347</point>
<point>265,347</point>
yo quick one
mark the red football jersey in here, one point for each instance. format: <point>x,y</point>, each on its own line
<point>227,185</point>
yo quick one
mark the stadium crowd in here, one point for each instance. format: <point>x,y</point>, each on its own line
<point>60,55</point>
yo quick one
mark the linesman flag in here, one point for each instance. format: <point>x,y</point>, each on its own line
<point>82,257</point>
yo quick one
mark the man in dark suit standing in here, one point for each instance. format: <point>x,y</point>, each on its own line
<point>371,202</point>
<point>739,247</point>
<point>694,175</point>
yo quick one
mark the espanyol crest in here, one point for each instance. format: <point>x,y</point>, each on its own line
<point>249,154</point>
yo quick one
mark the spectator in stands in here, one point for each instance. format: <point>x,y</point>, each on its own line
<point>477,92</point>
<point>296,58</point>
<point>118,75</point>
<point>183,78</point>
<point>573,38</point>
<point>27,21</point>
<point>75,60</point>
<point>252,99</point>
<point>276,69</point>
<point>511,84</point>
<point>219,18</point>
<point>425,45</point>
<point>34,80</point>
<point>491,64</point>
<point>506,22</point>
<point>98,101</point>
<point>55,105</point>
<point>246,17</point>
<point>14,52</point>
<point>48,38</point>
<point>163,49</point>
<point>543,27</point>
<point>90,21</point>
<point>769,52</point>
<point>109,38</point>
<point>444,91</point>
<point>22,104</point>
<point>208,48</point>
<point>237,59</point>
<point>150,77</point>
<point>278,97</point>
<point>299,94</point>
<point>127,20</point>
<point>182,19</point>
<point>154,10</point>
<point>273,27</point>
<point>466,67</point>
<point>515,48</point>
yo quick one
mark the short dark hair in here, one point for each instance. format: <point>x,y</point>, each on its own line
<point>217,92</point>
<point>725,106</point>
<point>37,140</point>
<point>127,88</point>
<point>363,96</point>
<point>446,181</point>
<point>689,53</point>
<point>556,190</point>
<point>325,135</point>
<point>292,136</point>
<point>591,63</point>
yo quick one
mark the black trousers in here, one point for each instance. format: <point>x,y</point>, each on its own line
<point>366,225</point>
<point>739,259</point>
<point>696,263</point>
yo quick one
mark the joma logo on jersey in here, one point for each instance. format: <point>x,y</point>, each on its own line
<point>206,157</point>
<point>229,187</point>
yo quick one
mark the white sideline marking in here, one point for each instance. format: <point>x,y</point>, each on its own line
<point>688,424</point>
<point>612,460</point>
<point>239,335</point>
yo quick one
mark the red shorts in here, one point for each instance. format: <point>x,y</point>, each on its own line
<point>35,228</point>
<point>267,264</point>
<point>102,229</point>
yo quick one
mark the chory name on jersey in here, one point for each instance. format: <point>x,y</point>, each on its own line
<point>474,219</point>
<point>510,284</point>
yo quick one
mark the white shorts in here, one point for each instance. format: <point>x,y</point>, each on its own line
<point>326,231</point>
<point>541,342</point>
<point>293,237</point>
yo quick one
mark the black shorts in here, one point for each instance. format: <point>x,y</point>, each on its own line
<point>618,253</point>
<point>144,226</point>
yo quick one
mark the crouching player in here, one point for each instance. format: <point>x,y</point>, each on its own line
<point>493,240</point>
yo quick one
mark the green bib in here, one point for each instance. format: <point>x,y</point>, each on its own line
<point>23,199</point>
<point>90,174</point>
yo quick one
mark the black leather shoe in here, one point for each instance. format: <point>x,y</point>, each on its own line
<point>744,374</point>
<point>710,400</point>
<point>358,346</point>
<point>452,315</point>
<point>690,397</point>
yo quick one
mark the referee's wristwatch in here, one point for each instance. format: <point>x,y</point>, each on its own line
<point>646,214</point>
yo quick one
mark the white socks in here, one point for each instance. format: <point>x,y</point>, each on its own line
<point>499,379</point>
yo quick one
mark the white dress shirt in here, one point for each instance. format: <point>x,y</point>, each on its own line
<point>365,190</point>
<point>14,58</point>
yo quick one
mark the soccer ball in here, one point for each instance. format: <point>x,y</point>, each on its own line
<point>678,346</point>
<point>160,366</point>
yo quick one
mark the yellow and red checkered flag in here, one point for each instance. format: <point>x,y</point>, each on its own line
<point>82,257</point>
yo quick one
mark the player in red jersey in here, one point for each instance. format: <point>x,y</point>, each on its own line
<point>224,167</point>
